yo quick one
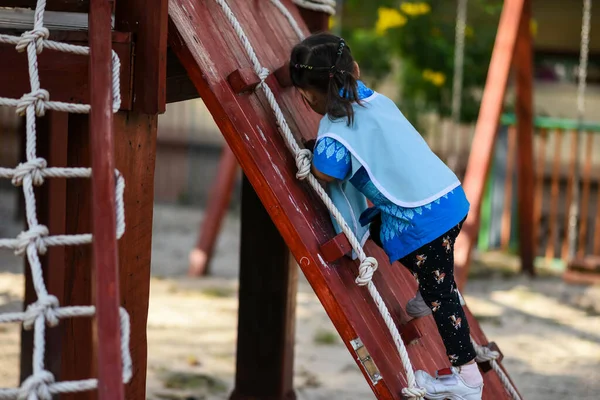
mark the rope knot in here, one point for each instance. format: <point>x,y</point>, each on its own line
<point>366,270</point>
<point>38,98</point>
<point>263,74</point>
<point>34,236</point>
<point>36,387</point>
<point>484,353</point>
<point>37,36</point>
<point>31,168</point>
<point>45,306</point>
<point>415,393</point>
<point>303,162</point>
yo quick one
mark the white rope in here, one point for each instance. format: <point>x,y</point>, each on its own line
<point>46,310</point>
<point>368,265</point>
<point>485,354</point>
<point>325,6</point>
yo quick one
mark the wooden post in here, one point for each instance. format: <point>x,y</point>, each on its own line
<point>220,196</point>
<point>523,64</point>
<point>486,131</point>
<point>267,303</point>
<point>107,326</point>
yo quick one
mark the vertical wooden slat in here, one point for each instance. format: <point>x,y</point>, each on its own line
<point>107,325</point>
<point>147,19</point>
<point>511,153</point>
<point>597,224</point>
<point>570,182</point>
<point>523,62</point>
<point>539,188</point>
<point>585,196</point>
<point>486,131</point>
<point>554,194</point>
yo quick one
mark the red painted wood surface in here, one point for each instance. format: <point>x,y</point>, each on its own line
<point>486,131</point>
<point>147,20</point>
<point>106,269</point>
<point>64,75</point>
<point>523,63</point>
<point>218,203</point>
<point>207,46</point>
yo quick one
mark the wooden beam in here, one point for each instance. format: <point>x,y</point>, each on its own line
<point>64,75</point>
<point>147,20</point>
<point>523,64</point>
<point>267,306</point>
<point>81,6</point>
<point>107,325</point>
<point>179,85</point>
<point>135,158</point>
<point>486,131</point>
<point>218,203</point>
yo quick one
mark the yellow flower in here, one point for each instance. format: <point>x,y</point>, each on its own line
<point>388,18</point>
<point>331,22</point>
<point>533,27</point>
<point>415,9</point>
<point>469,31</point>
<point>436,78</point>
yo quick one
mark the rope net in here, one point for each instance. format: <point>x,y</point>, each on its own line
<point>46,310</point>
<point>368,265</point>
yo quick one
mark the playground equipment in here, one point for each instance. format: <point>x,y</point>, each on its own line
<point>58,73</point>
<point>216,43</point>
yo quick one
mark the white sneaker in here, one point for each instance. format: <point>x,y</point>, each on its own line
<point>448,385</point>
<point>416,307</point>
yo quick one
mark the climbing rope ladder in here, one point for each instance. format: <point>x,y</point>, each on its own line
<point>46,310</point>
<point>303,157</point>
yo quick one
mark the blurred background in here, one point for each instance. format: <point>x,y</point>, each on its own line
<point>547,327</point>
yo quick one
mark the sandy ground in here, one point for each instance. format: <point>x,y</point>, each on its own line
<point>548,331</point>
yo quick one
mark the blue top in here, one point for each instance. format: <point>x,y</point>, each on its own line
<point>395,156</point>
<point>403,229</point>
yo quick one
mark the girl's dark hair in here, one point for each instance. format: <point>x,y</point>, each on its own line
<point>323,62</point>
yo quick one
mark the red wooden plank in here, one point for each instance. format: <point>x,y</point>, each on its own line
<point>107,320</point>
<point>523,62</point>
<point>206,45</point>
<point>486,131</point>
<point>52,5</point>
<point>147,20</point>
<point>64,75</point>
<point>135,158</point>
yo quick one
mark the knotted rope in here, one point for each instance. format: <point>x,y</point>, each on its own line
<point>46,310</point>
<point>368,265</point>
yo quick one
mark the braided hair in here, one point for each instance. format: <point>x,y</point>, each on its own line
<point>323,62</point>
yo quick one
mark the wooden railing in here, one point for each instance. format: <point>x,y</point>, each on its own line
<point>565,155</point>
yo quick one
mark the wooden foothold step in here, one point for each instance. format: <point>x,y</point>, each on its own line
<point>410,332</point>
<point>335,248</point>
<point>282,74</point>
<point>243,80</point>
<point>486,366</point>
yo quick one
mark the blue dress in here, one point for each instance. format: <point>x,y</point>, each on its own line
<point>403,230</point>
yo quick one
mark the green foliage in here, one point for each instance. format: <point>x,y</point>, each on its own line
<point>419,36</point>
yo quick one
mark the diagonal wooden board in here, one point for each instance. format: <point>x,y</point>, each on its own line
<point>209,49</point>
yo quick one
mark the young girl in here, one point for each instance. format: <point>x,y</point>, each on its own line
<point>419,204</point>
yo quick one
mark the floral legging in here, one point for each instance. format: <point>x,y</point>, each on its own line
<point>433,267</point>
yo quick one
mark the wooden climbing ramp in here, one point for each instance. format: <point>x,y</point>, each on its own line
<point>216,61</point>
